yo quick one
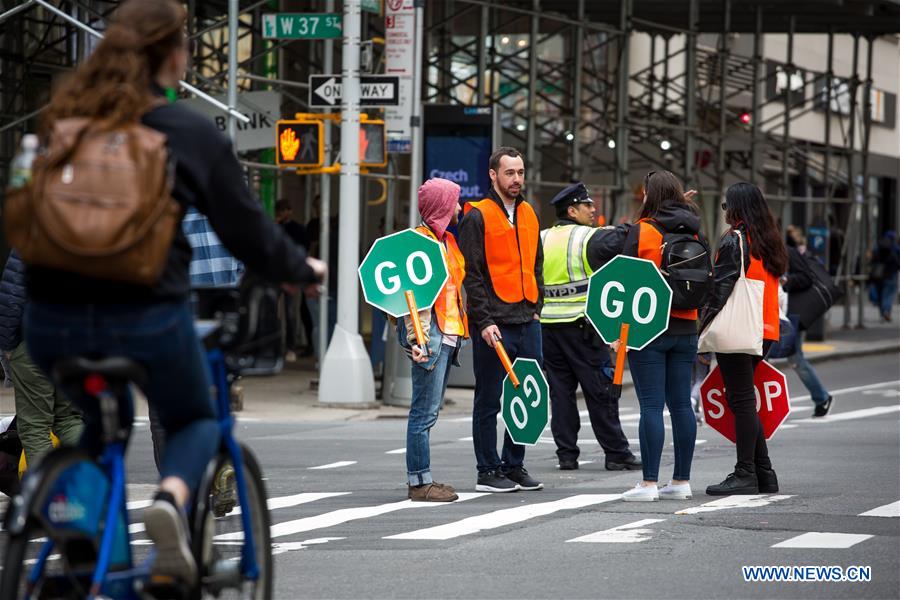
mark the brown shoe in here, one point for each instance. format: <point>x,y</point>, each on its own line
<point>432,492</point>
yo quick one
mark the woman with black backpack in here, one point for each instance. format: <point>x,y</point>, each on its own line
<point>662,369</point>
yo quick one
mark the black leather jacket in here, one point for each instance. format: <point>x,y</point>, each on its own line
<point>726,271</point>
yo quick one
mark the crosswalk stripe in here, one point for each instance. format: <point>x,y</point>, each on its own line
<point>821,539</point>
<point>334,465</point>
<point>623,534</point>
<point>737,501</point>
<point>888,510</point>
<point>337,517</point>
<point>397,451</point>
<point>853,414</point>
<point>503,517</point>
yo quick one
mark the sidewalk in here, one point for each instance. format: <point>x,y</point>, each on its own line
<point>289,396</point>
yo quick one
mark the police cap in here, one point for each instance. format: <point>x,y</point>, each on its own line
<point>573,194</point>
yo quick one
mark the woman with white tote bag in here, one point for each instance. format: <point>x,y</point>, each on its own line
<point>741,323</point>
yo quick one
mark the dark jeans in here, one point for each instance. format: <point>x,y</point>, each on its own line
<point>428,388</point>
<point>162,339</point>
<point>523,341</point>
<point>575,355</point>
<point>662,377</point>
<point>737,374</point>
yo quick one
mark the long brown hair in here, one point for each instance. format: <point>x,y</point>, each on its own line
<point>745,205</point>
<point>113,85</point>
<point>662,188</point>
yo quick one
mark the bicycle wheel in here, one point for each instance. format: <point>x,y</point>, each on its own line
<point>218,541</point>
<point>68,568</point>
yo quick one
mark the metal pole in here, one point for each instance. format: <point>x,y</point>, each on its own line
<point>576,103</point>
<point>720,142</point>
<point>786,132</point>
<point>346,376</point>
<point>16,10</point>
<point>416,118</point>
<point>690,75</point>
<point>531,140</point>
<point>864,231</point>
<point>826,169</point>
<point>233,8</point>
<point>848,254</point>
<point>622,110</point>
<point>325,208</point>
<point>482,52</point>
<point>755,109</point>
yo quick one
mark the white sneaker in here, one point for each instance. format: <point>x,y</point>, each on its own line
<point>682,491</point>
<point>641,493</point>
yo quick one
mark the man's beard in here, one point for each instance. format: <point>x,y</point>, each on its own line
<point>506,193</point>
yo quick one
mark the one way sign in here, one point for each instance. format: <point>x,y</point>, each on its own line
<point>374,90</point>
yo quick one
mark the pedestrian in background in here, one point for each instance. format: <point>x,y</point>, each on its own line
<point>883,274</point>
<point>755,237</point>
<point>295,307</point>
<point>799,279</point>
<point>445,327</point>
<point>662,370</point>
<point>574,354</point>
<point>40,407</point>
<point>500,240</point>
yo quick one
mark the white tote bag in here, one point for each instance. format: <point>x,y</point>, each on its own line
<point>738,328</point>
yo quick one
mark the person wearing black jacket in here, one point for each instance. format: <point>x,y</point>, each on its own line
<point>499,239</point>
<point>143,53</point>
<point>799,279</point>
<point>574,353</point>
<point>40,408</point>
<point>765,259</point>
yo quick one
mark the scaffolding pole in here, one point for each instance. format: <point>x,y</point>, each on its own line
<point>864,224</point>
<point>755,112</point>
<point>531,139</point>
<point>690,93</point>
<point>233,8</point>
<point>786,131</point>
<point>622,111</point>
<point>576,93</point>
<point>848,253</point>
<point>724,52</point>
<point>325,210</point>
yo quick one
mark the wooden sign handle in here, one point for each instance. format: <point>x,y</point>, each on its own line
<point>504,358</point>
<point>616,389</point>
<point>417,325</point>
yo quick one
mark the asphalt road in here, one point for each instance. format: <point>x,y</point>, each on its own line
<point>345,529</point>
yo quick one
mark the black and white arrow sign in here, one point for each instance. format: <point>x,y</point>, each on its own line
<point>374,90</point>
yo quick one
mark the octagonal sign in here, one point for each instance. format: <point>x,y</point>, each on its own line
<point>406,260</point>
<point>629,290</point>
<point>772,402</point>
<point>526,409</point>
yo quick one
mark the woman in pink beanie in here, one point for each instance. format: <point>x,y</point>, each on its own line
<point>445,326</point>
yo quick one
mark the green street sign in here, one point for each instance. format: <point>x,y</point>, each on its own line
<point>526,409</point>
<point>373,6</point>
<point>302,26</point>
<point>403,261</point>
<point>629,290</point>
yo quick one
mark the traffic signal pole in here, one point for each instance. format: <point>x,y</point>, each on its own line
<point>347,377</point>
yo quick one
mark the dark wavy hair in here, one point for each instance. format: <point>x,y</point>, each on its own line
<point>662,189</point>
<point>113,85</point>
<point>745,205</point>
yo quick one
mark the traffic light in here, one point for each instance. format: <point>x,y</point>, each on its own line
<point>300,144</point>
<point>746,118</point>
<point>372,144</point>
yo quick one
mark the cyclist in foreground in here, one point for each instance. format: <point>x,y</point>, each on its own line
<point>124,81</point>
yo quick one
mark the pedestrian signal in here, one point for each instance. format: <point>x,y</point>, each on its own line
<point>300,144</point>
<point>372,144</point>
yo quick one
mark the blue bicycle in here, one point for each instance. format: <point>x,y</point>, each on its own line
<point>68,530</point>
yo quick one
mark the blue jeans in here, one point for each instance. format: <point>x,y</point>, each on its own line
<point>162,339</point>
<point>662,377</point>
<point>888,291</point>
<point>428,387</point>
<point>523,340</point>
<point>807,374</point>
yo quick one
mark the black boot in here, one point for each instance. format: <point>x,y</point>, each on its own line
<point>768,481</point>
<point>739,482</point>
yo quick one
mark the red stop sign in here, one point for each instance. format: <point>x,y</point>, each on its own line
<point>772,402</point>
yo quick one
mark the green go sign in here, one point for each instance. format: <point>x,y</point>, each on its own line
<point>526,409</point>
<point>403,261</point>
<point>629,290</point>
<point>304,26</point>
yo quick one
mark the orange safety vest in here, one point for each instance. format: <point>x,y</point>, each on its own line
<point>510,250</point>
<point>451,316</point>
<point>771,323</point>
<point>650,246</point>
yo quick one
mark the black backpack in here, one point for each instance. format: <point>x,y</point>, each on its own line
<point>687,267</point>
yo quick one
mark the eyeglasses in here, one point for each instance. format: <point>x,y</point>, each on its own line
<point>724,206</point>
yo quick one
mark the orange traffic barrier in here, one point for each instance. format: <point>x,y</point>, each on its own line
<point>504,358</point>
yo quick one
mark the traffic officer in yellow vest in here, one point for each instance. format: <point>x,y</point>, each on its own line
<point>573,351</point>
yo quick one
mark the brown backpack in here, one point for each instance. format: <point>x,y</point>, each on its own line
<point>99,203</point>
